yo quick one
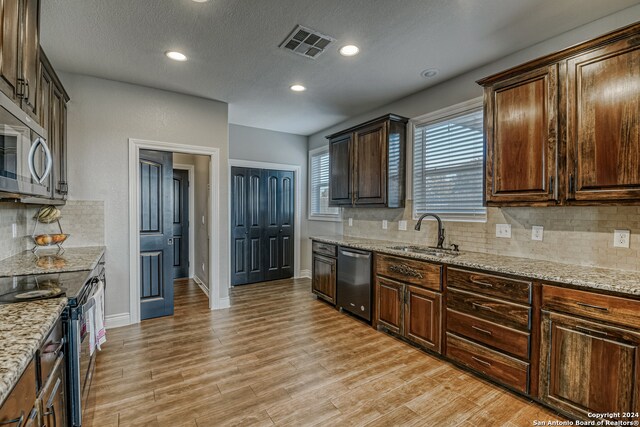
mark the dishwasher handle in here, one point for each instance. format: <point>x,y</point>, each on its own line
<point>355,254</point>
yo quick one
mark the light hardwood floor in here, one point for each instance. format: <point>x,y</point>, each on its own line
<point>279,356</point>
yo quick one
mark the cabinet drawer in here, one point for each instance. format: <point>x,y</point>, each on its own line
<point>497,286</point>
<point>325,249</point>
<point>622,311</point>
<point>489,333</point>
<point>509,371</point>
<point>497,311</point>
<point>411,271</point>
<point>21,399</point>
<point>49,352</point>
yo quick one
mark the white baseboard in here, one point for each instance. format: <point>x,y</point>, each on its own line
<point>201,284</point>
<point>305,273</point>
<point>117,320</point>
<point>221,303</point>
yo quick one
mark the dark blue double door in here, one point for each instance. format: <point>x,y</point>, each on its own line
<point>262,225</point>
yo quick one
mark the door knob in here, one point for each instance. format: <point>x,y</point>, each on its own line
<point>170,242</point>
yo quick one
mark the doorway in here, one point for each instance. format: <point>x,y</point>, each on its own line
<point>262,225</point>
<point>153,228</point>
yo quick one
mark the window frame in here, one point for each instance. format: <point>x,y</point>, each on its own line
<point>433,117</point>
<point>337,217</point>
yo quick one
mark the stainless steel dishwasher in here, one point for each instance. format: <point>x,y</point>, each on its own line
<point>354,282</point>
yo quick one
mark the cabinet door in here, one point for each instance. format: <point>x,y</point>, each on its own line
<point>389,304</point>
<point>340,170</point>
<point>370,165</point>
<point>323,281</point>
<point>30,55</point>
<point>10,34</point>
<point>53,400</point>
<point>57,142</point>
<point>45,112</point>
<point>521,125</point>
<point>603,123</point>
<point>588,367</point>
<point>422,317</point>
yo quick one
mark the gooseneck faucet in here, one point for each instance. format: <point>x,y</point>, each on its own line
<point>440,227</point>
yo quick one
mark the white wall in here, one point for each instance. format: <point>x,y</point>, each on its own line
<point>201,202</point>
<point>464,87</point>
<point>102,116</point>
<point>247,143</point>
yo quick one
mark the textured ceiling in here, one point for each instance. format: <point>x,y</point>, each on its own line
<point>234,57</point>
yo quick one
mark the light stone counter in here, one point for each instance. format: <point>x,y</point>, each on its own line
<point>603,279</point>
<point>73,259</point>
<point>23,328</point>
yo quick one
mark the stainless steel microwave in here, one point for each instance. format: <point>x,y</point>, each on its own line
<point>25,157</point>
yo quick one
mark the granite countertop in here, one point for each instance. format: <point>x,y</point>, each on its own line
<point>604,279</point>
<point>73,259</point>
<point>23,328</point>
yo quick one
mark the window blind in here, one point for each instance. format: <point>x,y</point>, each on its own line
<point>319,183</point>
<point>448,166</point>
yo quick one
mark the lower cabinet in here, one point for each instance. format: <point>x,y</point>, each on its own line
<point>589,367</point>
<point>323,276</point>
<point>20,408</point>
<point>53,398</point>
<point>407,309</point>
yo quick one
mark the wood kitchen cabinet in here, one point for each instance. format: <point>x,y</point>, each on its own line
<point>323,276</point>
<point>9,49</point>
<point>408,300</point>
<point>589,352</point>
<point>603,122</point>
<point>521,127</point>
<point>30,57</point>
<point>20,408</point>
<point>367,164</point>
<point>53,117</point>
<point>564,128</point>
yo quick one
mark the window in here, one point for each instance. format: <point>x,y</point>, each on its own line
<point>319,187</point>
<point>448,158</point>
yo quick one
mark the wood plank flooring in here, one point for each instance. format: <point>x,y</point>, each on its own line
<point>279,357</point>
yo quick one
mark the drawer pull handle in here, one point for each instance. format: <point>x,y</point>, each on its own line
<point>483,307</point>
<point>484,331</point>
<point>481,283</point>
<point>484,362</point>
<point>596,307</point>
<point>405,270</point>
<point>590,331</point>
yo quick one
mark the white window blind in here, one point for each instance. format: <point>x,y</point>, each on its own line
<point>448,165</point>
<point>319,186</point>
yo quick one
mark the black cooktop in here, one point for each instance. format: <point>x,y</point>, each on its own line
<point>34,287</point>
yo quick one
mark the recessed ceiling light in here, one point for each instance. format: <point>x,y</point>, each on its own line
<point>176,56</point>
<point>349,50</point>
<point>429,73</point>
<point>200,1</point>
<point>298,88</point>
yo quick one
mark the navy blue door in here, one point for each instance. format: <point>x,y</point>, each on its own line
<point>156,234</point>
<point>180,223</point>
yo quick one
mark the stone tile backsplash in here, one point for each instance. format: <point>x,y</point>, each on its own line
<point>575,234</point>
<point>84,220</point>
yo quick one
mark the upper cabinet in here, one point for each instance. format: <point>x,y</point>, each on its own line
<point>603,122</point>
<point>565,128</point>
<point>367,164</point>
<point>521,136</point>
<point>19,53</point>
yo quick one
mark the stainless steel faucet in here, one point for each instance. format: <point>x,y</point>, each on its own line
<point>440,227</point>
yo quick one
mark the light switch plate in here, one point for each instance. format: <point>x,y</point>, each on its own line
<point>402,225</point>
<point>385,224</point>
<point>621,238</point>
<point>503,231</point>
<point>537,232</point>
<point>350,222</point>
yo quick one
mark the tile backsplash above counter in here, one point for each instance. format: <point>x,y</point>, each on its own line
<point>580,235</point>
<point>82,219</point>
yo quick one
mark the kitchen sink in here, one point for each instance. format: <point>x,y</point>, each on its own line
<point>426,250</point>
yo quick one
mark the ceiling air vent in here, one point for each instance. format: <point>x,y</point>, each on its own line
<point>306,42</point>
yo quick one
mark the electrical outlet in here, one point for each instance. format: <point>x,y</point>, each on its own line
<point>537,232</point>
<point>621,238</point>
<point>402,225</point>
<point>503,231</point>
<point>14,230</point>
<point>385,224</point>
<point>350,222</point>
